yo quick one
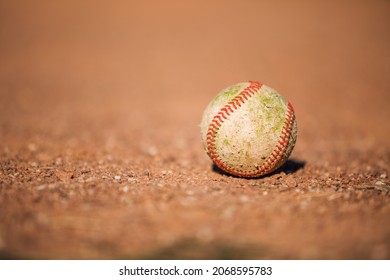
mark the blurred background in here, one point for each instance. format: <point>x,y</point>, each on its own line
<point>90,90</point>
<point>321,55</point>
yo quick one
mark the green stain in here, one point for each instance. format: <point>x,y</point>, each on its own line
<point>259,132</point>
<point>273,109</point>
<point>227,94</point>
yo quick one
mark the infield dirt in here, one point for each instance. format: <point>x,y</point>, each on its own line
<point>100,151</point>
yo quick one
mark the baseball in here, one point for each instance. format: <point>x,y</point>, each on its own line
<point>249,129</point>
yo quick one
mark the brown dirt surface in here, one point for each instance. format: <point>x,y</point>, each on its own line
<point>100,152</point>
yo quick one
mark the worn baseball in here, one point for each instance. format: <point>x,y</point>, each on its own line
<point>249,129</point>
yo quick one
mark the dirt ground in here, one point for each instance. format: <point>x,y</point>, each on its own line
<point>100,151</point>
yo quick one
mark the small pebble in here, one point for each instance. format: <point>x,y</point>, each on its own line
<point>164,172</point>
<point>152,151</point>
<point>383,176</point>
<point>89,180</point>
<point>244,198</point>
<point>190,192</point>
<point>32,147</point>
<point>132,180</point>
<point>117,177</point>
<point>290,181</point>
<point>228,213</point>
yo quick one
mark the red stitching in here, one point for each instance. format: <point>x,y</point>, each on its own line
<point>221,116</point>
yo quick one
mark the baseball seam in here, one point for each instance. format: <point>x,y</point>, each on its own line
<point>226,111</point>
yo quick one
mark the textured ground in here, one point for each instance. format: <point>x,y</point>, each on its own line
<point>100,153</point>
